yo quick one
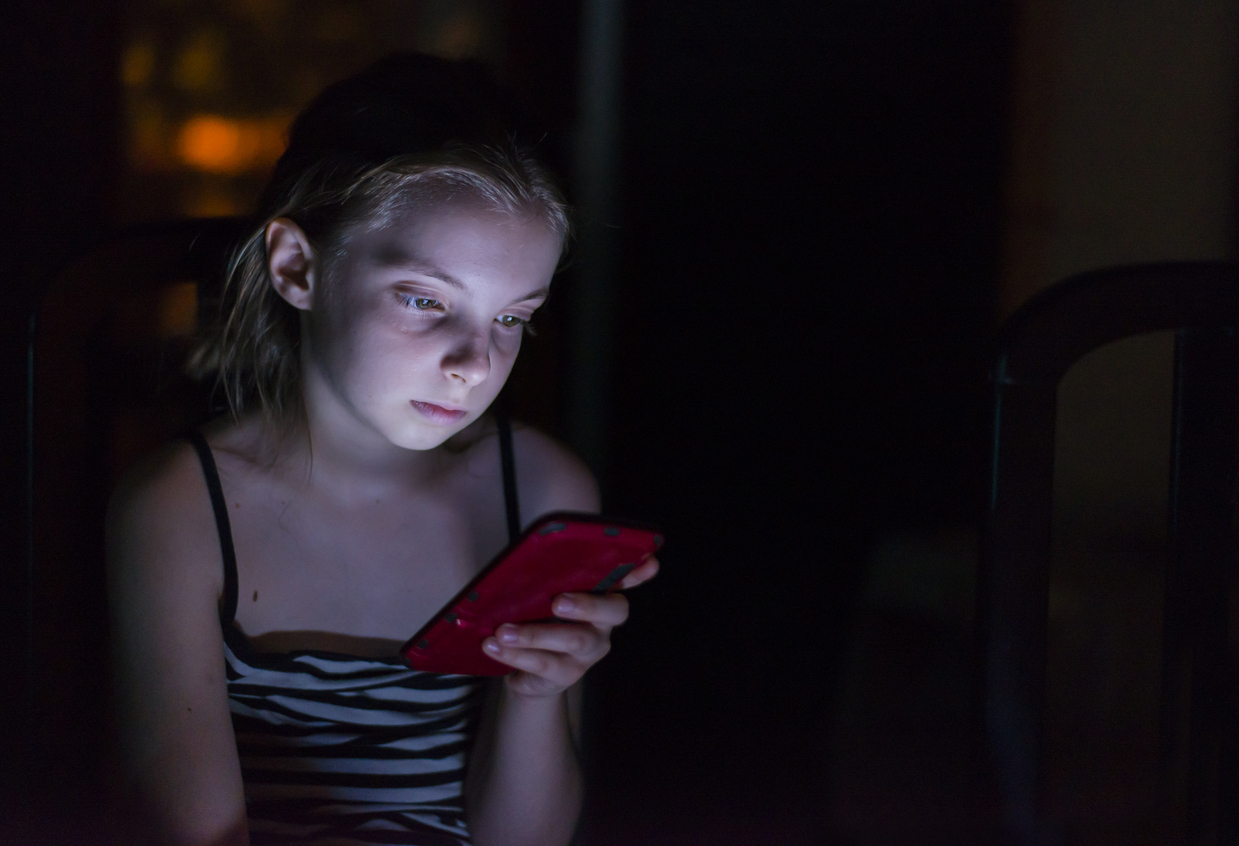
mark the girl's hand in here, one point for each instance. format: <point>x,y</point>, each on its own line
<point>551,657</point>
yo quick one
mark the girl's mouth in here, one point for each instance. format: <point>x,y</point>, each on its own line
<point>438,413</point>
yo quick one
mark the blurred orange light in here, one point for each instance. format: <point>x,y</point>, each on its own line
<point>212,143</point>
<point>224,145</point>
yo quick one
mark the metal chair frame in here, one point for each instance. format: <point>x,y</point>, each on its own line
<point>1200,302</point>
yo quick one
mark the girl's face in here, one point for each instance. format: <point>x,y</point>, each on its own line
<point>414,329</point>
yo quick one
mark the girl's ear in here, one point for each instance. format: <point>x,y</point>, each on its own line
<point>290,260</point>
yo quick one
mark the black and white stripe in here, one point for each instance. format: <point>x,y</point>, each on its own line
<point>342,751</point>
<point>338,750</point>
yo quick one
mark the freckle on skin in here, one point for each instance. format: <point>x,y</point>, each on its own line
<point>255,596</point>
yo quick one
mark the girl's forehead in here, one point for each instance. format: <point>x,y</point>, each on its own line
<point>462,244</point>
<point>443,224</point>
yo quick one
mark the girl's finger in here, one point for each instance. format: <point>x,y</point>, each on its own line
<point>555,667</point>
<point>606,610</point>
<point>647,570</point>
<point>584,643</point>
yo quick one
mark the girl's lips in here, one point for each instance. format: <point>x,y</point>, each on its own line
<point>438,413</point>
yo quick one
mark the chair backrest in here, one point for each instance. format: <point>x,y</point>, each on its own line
<point>108,343</point>
<point>1200,302</point>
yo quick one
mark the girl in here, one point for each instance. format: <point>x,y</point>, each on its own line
<point>262,576</point>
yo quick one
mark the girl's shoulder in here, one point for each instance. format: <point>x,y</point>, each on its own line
<point>160,525</point>
<point>161,512</point>
<point>166,482</point>
<point>550,476</point>
<point>171,481</point>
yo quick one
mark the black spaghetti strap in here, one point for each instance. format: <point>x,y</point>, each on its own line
<point>229,609</point>
<point>507,461</point>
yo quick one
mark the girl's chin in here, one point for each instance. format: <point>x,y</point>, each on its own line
<point>424,437</point>
<point>422,441</point>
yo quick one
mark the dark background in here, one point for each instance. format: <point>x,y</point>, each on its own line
<point>810,206</point>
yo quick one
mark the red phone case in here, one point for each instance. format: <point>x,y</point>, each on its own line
<point>562,552</point>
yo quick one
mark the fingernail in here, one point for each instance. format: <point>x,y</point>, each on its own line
<point>490,646</point>
<point>565,604</point>
<point>507,635</point>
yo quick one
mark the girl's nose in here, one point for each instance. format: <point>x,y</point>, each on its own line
<point>468,360</point>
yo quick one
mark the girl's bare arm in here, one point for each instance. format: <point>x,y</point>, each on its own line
<point>524,784</point>
<point>165,577</point>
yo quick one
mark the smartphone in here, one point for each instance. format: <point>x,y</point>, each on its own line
<point>563,552</point>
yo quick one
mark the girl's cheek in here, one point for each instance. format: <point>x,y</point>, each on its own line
<point>507,342</point>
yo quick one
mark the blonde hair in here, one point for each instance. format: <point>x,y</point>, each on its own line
<point>252,348</point>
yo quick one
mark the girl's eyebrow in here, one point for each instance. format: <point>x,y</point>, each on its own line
<point>541,293</point>
<point>396,257</point>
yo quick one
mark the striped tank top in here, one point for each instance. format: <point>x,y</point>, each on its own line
<point>339,750</point>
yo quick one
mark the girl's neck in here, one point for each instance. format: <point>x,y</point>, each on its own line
<point>350,464</point>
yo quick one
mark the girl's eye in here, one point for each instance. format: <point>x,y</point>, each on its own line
<point>420,303</point>
<point>511,321</point>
